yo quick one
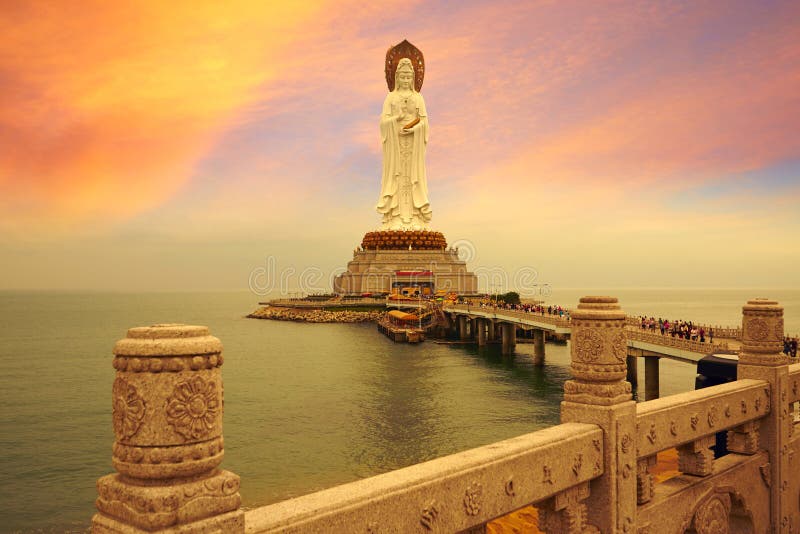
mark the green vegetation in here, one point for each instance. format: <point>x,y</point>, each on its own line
<point>512,297</point>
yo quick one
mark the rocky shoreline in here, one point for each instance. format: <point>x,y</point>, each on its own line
<point>315,316</point>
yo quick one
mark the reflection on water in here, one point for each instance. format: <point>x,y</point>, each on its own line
<point>306,406</point>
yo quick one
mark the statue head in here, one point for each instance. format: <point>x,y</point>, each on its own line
<point>404,75</point>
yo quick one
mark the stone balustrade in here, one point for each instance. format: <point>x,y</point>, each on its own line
<point>678,343</point>
<point>555,320</point>
<point>590,474</point>
<point>632,333</point>
<point>454,493</point>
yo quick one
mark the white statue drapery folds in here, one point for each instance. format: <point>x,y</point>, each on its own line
<point>404,134</point>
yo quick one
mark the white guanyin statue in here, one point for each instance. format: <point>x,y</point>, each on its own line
<point>404,132</point>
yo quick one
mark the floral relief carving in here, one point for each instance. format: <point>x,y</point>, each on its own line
<point>693,420</point>
<point>651,435</point>
<point>757,329</point>
<point>712,516</point>
<point>588,345</point>
<point>727,410</point>
<point>473,498</point>
<point>779,329</point>
<point>766,474</point>
<point>193,408</point>
<point>626,443</point>
<point>429,515</point>
<point>509,487</point>
<point>619,344</point>
<point>577,464</point>
<point>128,408</point>
<point>712,417</point>
<point>673,428</point>
<point>547,475</point>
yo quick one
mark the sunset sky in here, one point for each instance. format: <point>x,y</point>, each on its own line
<point>158,145</point>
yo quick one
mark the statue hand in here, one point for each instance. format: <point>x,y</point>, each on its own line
<point>403,131</point>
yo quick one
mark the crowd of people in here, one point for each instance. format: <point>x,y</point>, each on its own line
<point>790,346</point>
<point>680,329</point>
<point>538,309</point>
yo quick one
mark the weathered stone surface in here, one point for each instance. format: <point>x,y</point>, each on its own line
<point>167,413</point>
<point>600,395</point>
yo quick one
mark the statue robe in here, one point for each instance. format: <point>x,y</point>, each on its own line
<point>389,201</point>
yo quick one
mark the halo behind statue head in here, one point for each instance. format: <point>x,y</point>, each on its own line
<point>398,52</point>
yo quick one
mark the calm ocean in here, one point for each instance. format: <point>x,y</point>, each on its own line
<point>306,406</point>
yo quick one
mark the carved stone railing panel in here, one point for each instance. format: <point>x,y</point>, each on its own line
<point>734,499</point>
<point>449,494</point>
<point>697,458</point>
<point>793,393</point>
<point>744,439</point>
<point>645,483</point>
<point>565,512</point>
<point>678,419</point>
<point>678,343</point>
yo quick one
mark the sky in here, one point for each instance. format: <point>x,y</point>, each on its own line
<point>151,146</point>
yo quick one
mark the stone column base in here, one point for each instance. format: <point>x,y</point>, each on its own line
<point>230,522</point>
<point>128,505</point>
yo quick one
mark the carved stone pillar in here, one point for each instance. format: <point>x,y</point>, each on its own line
<point>599,394</point>
<point>762,358</point>
<point>167,414</point>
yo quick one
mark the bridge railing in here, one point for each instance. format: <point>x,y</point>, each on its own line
<point>690,421</point>
<point>555,320</point>
<point>590,474</point>
<point>679,343</point>
<point>450,494</point>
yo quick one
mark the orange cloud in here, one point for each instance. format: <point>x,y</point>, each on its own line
<point>703,123</point>
<point>105,111</point>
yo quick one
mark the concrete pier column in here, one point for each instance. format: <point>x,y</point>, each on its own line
<point>632,363</point>
<point>491,333</point>
<point>462,327</point>
<point>651,378</point>
<point>481,332</point>
<point>167,416</point>
<point>598,394</point>
<point>509,332</point>
<point>538,347</point>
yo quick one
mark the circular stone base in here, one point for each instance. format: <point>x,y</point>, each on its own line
<point>403,239</point>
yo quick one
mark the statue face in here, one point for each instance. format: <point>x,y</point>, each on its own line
<point>405,79</point>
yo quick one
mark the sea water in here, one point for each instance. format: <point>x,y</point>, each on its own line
<point>307,406</point>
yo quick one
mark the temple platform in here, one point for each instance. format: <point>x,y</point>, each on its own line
<point>379,271</point>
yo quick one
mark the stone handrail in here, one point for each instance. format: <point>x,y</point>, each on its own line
<point>546,318</point>
<point>678,419</point>
<point>167,404</point>
<point>448,494</point>
<point>676,342</point>
<point>726,332</point>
